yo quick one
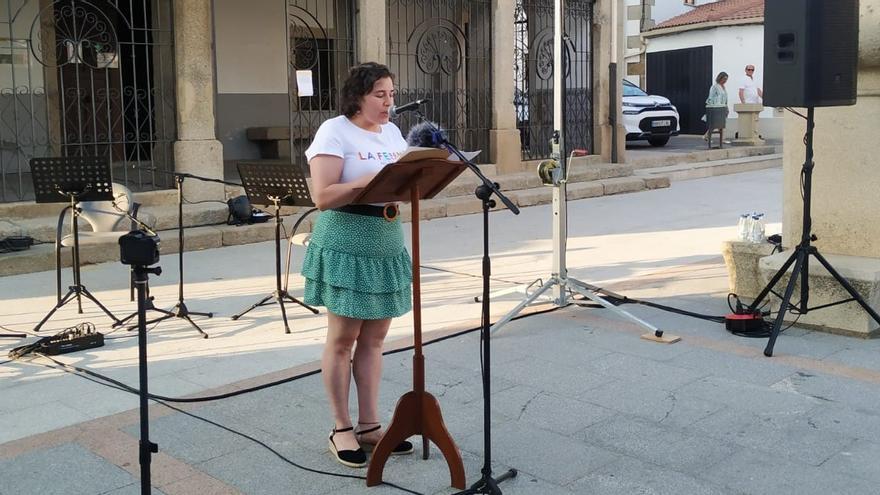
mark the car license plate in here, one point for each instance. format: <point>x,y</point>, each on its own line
<point>661,123</point>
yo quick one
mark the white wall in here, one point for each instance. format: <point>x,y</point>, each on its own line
<point>250,46</point>
<point>733,47</point>
<point>21,56</point>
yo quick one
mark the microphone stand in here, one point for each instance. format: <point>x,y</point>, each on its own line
<point>486,484</point>
<point>180,310</point>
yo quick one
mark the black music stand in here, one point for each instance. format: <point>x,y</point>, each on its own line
<point>275,184</point>
<point>72,179</point>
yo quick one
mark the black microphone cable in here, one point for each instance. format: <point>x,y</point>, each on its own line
<point>164,401</point>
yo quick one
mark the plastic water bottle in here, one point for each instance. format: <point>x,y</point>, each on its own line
<point>756,231</point>
<point>742,227</point>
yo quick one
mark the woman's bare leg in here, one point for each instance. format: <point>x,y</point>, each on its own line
<point>342,333</point>
<point>367,366</point>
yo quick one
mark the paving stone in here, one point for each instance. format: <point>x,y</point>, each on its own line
<point>857,460</point>
<point>780,434</point>
<point>548,411</point>
<point>754,398</point>
<point>255,471</point>
<point>670,408</point>
<point>558,379</point>
<point>628,476</point>
<point>525,447</point>
<point>747,369</point>
<point>638,369</point>
<point>66,469</point>
<point>754,471</point>
<point>189,439</point>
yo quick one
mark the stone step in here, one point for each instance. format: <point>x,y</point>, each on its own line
<point>206,226</point>
<point>699,170</point>
<point>663,159</point>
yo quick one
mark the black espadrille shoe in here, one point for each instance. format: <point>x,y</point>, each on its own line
<point>351,458</point>
<point>402,448</point>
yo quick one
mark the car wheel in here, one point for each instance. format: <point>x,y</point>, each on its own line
<point>658,140</point>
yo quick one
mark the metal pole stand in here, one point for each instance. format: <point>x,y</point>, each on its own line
<point>557,170</point>
<point>146,448</point>
<point>486,483</point>
<point>179,310</point>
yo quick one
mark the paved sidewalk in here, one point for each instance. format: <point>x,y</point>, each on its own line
<point>580,403</point>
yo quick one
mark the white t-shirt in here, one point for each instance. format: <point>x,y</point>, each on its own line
<point>362,152</point>
<point>750,90</point>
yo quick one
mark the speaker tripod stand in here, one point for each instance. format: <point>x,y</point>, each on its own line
<point>800,257</point>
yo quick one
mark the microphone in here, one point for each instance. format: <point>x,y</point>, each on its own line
<point>409,107</point>
<point>426,135</point>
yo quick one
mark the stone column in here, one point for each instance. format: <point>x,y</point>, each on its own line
<point>372,32</point>
<point>846,180</point>
<point>504,143</point>
<point>608,47</point>
<point>196,150</point>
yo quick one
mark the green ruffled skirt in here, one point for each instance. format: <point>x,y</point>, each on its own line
<point>357,266</point>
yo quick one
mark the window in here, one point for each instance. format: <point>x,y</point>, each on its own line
<point>690,2</point>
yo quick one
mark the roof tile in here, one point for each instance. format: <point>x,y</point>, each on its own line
<point>723,10</point>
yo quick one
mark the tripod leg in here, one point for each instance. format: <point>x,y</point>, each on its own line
<point>297,301</point>
<point>584,290</point>
<point>280,300</point>
<point>98,303</point>
<point>525,302</point>
<point>62,302</point>
<point>846,285</point>
<point>778,275</point>
<point>783,306</point>
<point>187,318</point>
<point>258,304</point>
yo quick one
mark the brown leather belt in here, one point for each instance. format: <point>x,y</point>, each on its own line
<point>389,211</point>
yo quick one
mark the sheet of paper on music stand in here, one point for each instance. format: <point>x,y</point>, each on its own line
<point>470,155</point>
<point>304,83</point>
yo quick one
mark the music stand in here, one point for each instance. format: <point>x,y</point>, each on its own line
<point>180,310</point>
<point>417,412</point>
<point>275,184</point>
<point>72,179</point>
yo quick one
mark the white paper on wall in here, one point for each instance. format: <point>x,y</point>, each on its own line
<point>304,83</point>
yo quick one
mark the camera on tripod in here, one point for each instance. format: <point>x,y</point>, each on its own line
<point>138,248</point>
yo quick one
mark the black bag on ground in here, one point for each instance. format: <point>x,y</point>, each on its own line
<point>241,212</point>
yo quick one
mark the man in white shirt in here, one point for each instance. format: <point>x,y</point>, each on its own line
<point>749,92</point>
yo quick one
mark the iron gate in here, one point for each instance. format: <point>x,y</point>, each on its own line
<point>87,78</point>
<point>440,50</point>
<point>533,75</point>
<point>321,43</point>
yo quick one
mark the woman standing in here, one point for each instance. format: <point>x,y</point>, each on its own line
<point>716,107</point>
<point>356,264</point>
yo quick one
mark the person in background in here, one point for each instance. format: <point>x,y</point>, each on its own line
<point>749,92</point>
<point>356,264</point>
<point>716,106</point>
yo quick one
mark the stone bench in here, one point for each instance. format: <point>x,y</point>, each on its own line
<point>274,142</point>
<point>751,266</point>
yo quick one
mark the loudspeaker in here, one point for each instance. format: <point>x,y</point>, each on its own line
<point>811,52</point>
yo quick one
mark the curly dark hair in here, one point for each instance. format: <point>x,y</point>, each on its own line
<point>360,81</point>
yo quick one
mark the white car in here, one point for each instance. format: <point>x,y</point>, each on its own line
<point>649,117</point>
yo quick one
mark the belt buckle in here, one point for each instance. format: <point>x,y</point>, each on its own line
<point>390,212</point>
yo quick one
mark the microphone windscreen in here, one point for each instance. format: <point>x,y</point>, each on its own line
<point>425,135</point>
